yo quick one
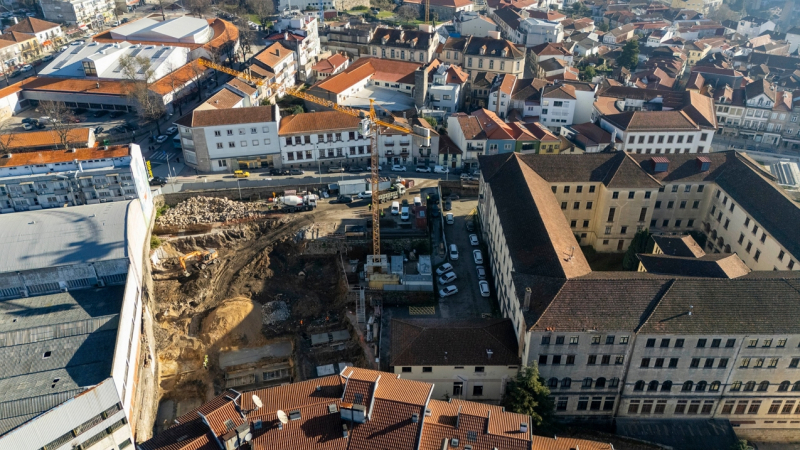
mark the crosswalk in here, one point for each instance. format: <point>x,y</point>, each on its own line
<point>162,155</point>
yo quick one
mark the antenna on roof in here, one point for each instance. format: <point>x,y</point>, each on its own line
<point>282,417</point>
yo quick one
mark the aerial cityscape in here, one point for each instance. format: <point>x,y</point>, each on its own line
<point>400,224</point>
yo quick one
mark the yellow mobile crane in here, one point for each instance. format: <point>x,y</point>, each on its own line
<point>371,125</point>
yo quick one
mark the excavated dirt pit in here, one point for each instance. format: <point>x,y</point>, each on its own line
<point>262,288</point>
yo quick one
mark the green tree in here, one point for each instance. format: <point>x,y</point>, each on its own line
<point>603,27</point>
<point>741,445</point>
<point>630,55</point>
<point>588,73</point>
<point>527,394</point>
<point>638,245</point>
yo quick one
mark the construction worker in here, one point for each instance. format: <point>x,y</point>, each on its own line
<point>205,362</point>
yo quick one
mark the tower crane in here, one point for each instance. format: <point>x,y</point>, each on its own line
<point>370,125</point>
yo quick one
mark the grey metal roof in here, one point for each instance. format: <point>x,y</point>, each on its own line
<point>60,237</point>
<point>61,308</point>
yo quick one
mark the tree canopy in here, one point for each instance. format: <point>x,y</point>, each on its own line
<point>527,394</point>
<point>630,55</point>
<point>638,245</point>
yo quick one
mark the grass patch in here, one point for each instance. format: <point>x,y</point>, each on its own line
<point>385,14</point>
<point>603,262</point>
<point>161,210</point>
<point>155,242</point>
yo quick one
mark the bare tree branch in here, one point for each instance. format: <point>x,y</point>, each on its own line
<point>7,137</point>
<point>262,9</point>
<point>61,119</point>
<point>139,73</point>
<point>197,7</point>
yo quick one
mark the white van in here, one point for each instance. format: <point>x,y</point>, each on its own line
<point>417,201</point>
<point>395,208</point>
<point>405,214</point>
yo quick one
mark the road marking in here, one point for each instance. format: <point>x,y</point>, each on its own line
<point>421,310</point>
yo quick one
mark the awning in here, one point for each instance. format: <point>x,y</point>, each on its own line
<point>46,43</point>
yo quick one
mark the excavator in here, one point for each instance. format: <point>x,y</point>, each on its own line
<point>205,259</point>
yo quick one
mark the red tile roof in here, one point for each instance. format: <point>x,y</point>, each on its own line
<point>32,25</point>
<point>84,86</point>
<point>388,70</point>
<point>273,55</point>
<point>321,121</point>
<point>396,420</point>
<point>329,65</point>
<point>55,156</point>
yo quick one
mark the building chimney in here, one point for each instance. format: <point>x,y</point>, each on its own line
<point>526,305</point>
<point>286,35</point>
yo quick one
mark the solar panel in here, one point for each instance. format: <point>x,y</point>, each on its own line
<point>136,52</point>
<point>118,69</point>
<point>160,52</point>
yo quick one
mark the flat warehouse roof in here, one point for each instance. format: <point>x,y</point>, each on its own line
<point>59,237</point>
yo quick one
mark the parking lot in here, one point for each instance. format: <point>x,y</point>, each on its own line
<point>468,302</point>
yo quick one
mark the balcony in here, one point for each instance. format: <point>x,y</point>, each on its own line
<point>388,143</point>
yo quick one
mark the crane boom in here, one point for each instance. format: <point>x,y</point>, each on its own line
<point>370,116</point>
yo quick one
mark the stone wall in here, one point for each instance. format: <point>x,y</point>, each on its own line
<point>248,193</point>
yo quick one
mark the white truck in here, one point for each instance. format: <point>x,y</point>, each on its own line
<point>293,203</point>
<point>396,191</point>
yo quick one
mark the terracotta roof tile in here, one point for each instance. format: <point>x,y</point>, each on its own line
<point>318,122</point>
<point>562,443</point>
<point>16,36</point>
<point>54,156</point>
<point>178,78</point>
<point>32,25</point>
<point>224,99</point>
<point>273,55</point>
<point>30,141</point>
<point>85,86</point>
<point>391,387</point>
<point>224,418</point>
<point>343,80</point>
<point>214,117</point>
<point>224,32</point>
<point>329,65</point>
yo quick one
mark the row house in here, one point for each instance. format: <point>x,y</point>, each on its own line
<point>522,29</point>
<point>323,139</point>
<point>567,102</point>
<point>521,96</point>
<point>419,149</point>
<point>477,55</point>
<point>48,34</point>
<point>404,45</point>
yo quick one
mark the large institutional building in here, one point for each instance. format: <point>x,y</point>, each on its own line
<point>689,335</point>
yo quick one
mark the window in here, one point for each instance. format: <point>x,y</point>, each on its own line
<point>715,343</point>
<point>587,382</point>
<point>579,189</point>
<point>757,255</point>
<point>736,386</point>
<point>781,254</point>
<point>588,205</point>
<point>611,213</point>
<point>701,386</point>
<point>631,195</point>
<point>619,359</point>
<point>563,205</point>
<point>687,386</point>
<point>679,343</point>
<point>645,362</point>
<point>219,145</point>
<point>566,189</point>
<point>633,407</point>
<point>709,363</point>
<point>664,343</point>
<point>794,363</point>
<point>561,404</point>
<point>701,343</point>
<point>652,386</point>
<point>556,359</point>
<point>545,340</point>
<point>573,340</point>
<point>639,386</point>
<point>745,362</point>
<point>559,340</point>
<point>576,205</point>
<point>741,238</point>
<point>666,386</point>
<point>754,406</point>
<point>752,342</point>
<point>585,225</point>
<point>542,360</point>
<point>783,387</point>
<point>723,363</point>
<point>750,386</point>
<point>583,402</point>
<point>591,189</point>
<point>773,363</point>
<point>673,363</point>
<point>659,363</point>
<point>695,363</point>
<point>570,359</point>
<point>615,195</point>
<point>406,369</point>
<point>606,359</point>
<point>592,360</point>
<point>218,133</point>
<point>566,383</point>
<point>478,369</point>
<point>230,133</point>
<point>477,391</point>
<point>642,214</point>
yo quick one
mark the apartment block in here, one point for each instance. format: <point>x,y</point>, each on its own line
<point>224,140</point>
<point>404,45</point>
<point>489,56</point>
<point>31,181</point>
<point>677,339</point>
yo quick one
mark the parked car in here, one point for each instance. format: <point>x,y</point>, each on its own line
<point>171,131</point>
<point>447,291</point>
<point>100,113</point>
<point>125,20</point>
<point>484,286</point>
<point>448,205</point>
<point>343,199</point>
<point>465,176</point>
<point>435,211</point>
<point>44,119</point>
<point>63,48</point>
<point>115,23</point>
<point>296,171</point>
<point>470,226</point>
<point>477,256</point>
<point>48,58</point>
<point>336,169</point>
<point>28,120</point>
<point>448,218</point>
<point>162,138</point>
<point>423,169</point>
<point>449,277</point>
<point>131,126</point>
<point>444,268</point>
<point>238,173</point>
<point>398,168</point>
<point>27,68</point>
<point>99,130</point>
<point>356,169</point>
<point>379,168</point>
<point>14,73</point>
<point>453,252</point>
<point>39,125</point>
<point>405,214</point>
<point>276,171</point>
<point>440,169</point>
<point>78,110</point>
<point>473,239</point>
<point>157,181</point>
<point>76,43</point>
<point>365,194</point>
<point>481,272</point>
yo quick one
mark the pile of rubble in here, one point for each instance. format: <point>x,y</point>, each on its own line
<point>208,210</point>
<point>274,312</point>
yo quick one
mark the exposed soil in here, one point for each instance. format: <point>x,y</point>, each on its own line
<point>221,308</point>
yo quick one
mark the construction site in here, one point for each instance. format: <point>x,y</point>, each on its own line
<point>249,296</point>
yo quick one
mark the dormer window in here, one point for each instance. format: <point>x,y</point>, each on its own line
<point>505,52</point>
<point>384,40</point>
<point>483,50</point>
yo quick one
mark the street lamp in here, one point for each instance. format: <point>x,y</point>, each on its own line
<point>240,189</point>
<point>319,169</point>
